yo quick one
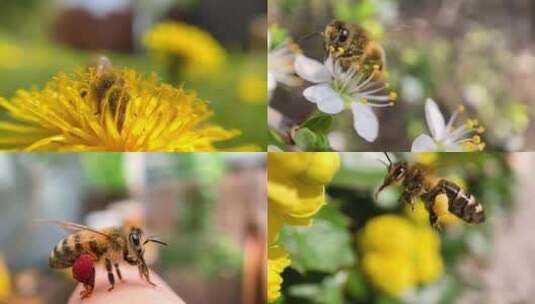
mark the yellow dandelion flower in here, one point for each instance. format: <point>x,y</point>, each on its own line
<point>296,183</point>
<point>278,260</point>
<point>195,48</point>
<point>114,111</point>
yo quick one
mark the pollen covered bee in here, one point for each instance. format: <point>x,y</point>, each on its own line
<point>417,180</point>
<point>351,45</point>
<point>109,245</point>
<point>107,91</point>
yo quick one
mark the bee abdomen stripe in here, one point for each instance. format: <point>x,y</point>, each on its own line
<point>65,248</point>
<point>77,244</point>
<point>93,245</point>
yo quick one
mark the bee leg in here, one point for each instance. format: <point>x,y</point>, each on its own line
<point>88,290</point>
<point>118,271</point>
<point>144,273</point>
<point>406,198</point>
<point>433,220</point>
<point>111,278</point>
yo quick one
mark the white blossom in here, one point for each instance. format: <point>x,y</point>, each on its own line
<point>336,89</point>
<point>445,137</point>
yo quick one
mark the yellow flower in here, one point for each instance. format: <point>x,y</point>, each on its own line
<point>427,158</point>
<point>296,184</point>
<point>118,112</point>
<point>388,233</point>
<point>391,274</point>
<point>397,255</point>
<point>277,261</point>
<point>200,53</point>
<point>5,282</point>
<point>252,89</point>
<point>419,214</point>
<point>275,222</point>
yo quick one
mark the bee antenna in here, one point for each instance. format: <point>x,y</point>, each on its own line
<point>155,241</point>
<point>389,160</point>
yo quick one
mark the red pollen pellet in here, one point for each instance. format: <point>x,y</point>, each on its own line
<point>83,269</point>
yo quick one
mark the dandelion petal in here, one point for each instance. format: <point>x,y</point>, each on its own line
<point>328,101</point>
<point>435,120</point>
<point>365,121</point>
<point>423,143</point>
<point>311,70</point>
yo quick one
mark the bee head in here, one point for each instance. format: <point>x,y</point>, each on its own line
<point>337,36</point>
<point>137,241</point>
<point>395,175</point>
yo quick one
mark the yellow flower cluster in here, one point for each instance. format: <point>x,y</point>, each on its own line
<point>296,192</point>
<point>118,112</point>
<point>397,255</point>
<point>195,48</point>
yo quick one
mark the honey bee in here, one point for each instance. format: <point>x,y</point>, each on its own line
<point>351,45</point>
<point>112,245</point>
<point>107,91</point>
<point>417,180</point>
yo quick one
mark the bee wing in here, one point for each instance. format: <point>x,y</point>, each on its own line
<point>72,227</point>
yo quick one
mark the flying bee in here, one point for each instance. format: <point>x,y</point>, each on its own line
<point>351,45</point>
<point>417,180</point>
<point>111,245</point>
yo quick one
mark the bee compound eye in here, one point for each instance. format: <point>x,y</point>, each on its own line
<point>135,238</point>
<point>344,35</point>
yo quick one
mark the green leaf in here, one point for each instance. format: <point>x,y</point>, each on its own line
<point>329,291</point>
<point>319,123</point>
<point>333,215</point>
<point>357,286</point>
<point>305,139</point>
<point>322,143</point>
<point>323,247</point>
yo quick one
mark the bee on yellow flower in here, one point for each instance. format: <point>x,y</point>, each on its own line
<point>106,109</point>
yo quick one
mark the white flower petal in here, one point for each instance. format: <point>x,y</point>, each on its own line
<point>435,120</point>
<point>272,83</point>
<point>311,70</point>
<point>364,121</point>
<point>423,143</point>
<point>327,99</point>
